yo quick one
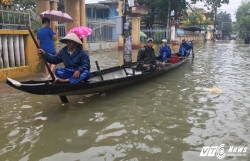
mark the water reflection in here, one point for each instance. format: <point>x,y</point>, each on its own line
<point>168,118</point>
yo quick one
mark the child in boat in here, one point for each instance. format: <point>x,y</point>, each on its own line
<point>75,59</point>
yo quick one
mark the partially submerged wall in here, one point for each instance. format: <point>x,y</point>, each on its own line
<point>18,54</point>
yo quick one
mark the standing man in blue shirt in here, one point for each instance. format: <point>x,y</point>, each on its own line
<point>45,36</point>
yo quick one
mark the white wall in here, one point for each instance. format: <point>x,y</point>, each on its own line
<point>95,46</point>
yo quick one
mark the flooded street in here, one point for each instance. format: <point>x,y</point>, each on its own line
<point>204,102</point>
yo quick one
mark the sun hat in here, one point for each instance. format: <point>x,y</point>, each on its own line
<point>71,36</point>
<point>150,39</point>
<point>164,40</point>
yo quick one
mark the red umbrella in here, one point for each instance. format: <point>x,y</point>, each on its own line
<point>56,16</point>
<point>81,31</point>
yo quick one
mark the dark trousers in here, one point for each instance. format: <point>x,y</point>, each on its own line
<point>149,68</point>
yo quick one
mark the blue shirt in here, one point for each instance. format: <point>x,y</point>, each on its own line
<point>165,52</point>
<point>44,35</point>
<point>185,48</point>
<point>77,60</point>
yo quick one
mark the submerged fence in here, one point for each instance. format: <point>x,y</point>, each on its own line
<point>12,52</point>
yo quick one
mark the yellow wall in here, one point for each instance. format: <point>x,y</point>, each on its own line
<point>31,58</point>
<point>136,22</point>
<point>120,38</point>
<point>42,5</point>
<point>76,9</point>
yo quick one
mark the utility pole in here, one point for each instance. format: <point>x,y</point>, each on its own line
<point>168,19</point>
<point>127,30</point>
<point>215,15</point>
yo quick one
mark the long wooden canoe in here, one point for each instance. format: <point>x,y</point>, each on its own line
<point>100,82</point>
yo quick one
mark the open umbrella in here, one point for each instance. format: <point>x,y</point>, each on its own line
<point>143,35</point>
<point>81,31</point>
<point>56,16</point>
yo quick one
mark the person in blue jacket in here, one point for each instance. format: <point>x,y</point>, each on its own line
<point>185,48</point>
<point>165,52</point>
<point>75,59</point>
<point>45,36</point>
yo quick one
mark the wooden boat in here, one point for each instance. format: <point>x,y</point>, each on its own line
<point>100,82</point>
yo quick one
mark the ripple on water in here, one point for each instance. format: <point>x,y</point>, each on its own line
<point>26,106</point>
<point>169,118</point>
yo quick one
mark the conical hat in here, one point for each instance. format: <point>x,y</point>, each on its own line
<point>71,36</point>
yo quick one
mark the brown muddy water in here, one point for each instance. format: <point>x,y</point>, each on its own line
<point>204,102</point>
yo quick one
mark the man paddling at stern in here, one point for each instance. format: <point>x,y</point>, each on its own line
<point>185,48</point>
<point>75,59</point>
<point>146,60</point>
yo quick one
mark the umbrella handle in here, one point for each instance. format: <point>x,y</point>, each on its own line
<point>41,55</point>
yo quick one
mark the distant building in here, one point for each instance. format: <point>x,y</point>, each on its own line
<point>101,9</point>
<point>208,30</point>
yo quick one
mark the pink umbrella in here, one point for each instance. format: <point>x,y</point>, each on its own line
<point>56,16</point>
<point>81,31</point>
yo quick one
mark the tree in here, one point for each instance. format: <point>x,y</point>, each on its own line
<point>243,18</point>
<point>195,18</point>
<point>180,7</point>
<point>30,4</point>
<point>224,23</point>
<point>24,4</point>
<point>235,28</point>
<point>213,3</point>
<point>6,2</point>
<point>159,10</point>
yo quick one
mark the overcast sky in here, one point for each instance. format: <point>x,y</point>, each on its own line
<point>229,8</point>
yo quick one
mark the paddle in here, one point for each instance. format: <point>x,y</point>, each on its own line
<point>98,69</point>
<point>41,55</point>
<point>64,99</point>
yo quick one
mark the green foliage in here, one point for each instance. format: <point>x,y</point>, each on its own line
<point>24,4</point>
<point>243,18</point>
<point>216,3</point>
<point>235,28</point>
<point>158,36</point>
<point>180,7</point>
<point>159,10</point>
<point>195,19</point>
<point>36,27</point>
<point>225,19</point>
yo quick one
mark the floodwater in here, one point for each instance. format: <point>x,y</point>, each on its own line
<point>204,102</point>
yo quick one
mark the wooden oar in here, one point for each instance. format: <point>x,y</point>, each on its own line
<point>64,99</point>
<point>98,69</point>
<point>41,55</point>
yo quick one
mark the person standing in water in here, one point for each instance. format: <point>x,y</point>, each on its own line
<point>45,36</point>
<point>247,40</point>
